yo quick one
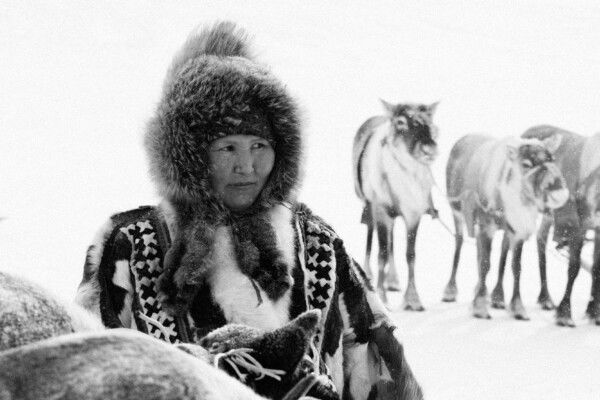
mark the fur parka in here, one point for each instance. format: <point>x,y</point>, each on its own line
<point>189,266</point>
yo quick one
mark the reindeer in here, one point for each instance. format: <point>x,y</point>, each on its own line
<point>126,364</point>
<point>577,158</point>
<point>50,348</point>
<point>28,314</point>
<point>391,159</point>
<point>500,185</point>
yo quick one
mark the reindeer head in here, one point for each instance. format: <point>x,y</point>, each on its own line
<point>283,351</point>
<point>542,181</point>
<point>590,192</point>
<point>412,123</point>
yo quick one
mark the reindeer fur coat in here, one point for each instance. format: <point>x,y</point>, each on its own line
<point>188,266</point>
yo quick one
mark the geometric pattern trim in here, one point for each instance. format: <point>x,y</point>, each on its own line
<point>320,266</point>
<point>320,277</point>
<point>145,266</point>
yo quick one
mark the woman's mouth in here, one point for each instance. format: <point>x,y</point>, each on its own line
<point>242,185</point>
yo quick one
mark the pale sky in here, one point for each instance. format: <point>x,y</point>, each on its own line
<point>79,80</point>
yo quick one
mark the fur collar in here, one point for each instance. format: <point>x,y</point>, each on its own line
<point>214,88</point>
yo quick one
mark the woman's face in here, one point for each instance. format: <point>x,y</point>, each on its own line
<point>241,165</point>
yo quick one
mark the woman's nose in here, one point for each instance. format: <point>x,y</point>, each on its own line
<point>244,162</point>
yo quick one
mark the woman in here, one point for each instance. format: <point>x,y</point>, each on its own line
<point>229,243</point>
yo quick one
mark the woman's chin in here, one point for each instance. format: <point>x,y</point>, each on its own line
<point>238,206</point>
<point>239,203</point>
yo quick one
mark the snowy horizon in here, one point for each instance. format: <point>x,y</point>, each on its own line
<point>80,80</point>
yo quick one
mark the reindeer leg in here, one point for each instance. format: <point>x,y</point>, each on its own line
<point>544,299</point>
<point>563,312</point>
<point>382,237</point>
<point>593,308</point>
<point>484,247</point>
<point>451,289</point>
<point>392,280</point>
<point>367,264</point>
<point>498,292</point>
<point>411,297</point>
<point>516,304</point>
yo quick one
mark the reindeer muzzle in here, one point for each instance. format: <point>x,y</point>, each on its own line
<point>428,152</point>
<point>548,178</point>
<point>556,198</point>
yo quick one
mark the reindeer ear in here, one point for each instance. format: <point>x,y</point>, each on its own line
<point>432,107</point>
<point>308,321</point>
<point>388,107</point>
<point>512,152</point>
<point>552,142</point>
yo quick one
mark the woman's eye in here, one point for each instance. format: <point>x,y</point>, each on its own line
<point>259,145</point>
<point>526,164</point>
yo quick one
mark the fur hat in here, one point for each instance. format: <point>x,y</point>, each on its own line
<point>214,88</point>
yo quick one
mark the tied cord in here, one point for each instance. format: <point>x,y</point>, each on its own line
<point>155,323</point>
<point>236,357</point>
<point>257,290</point>
<point>316,360</point>
<point>241,358</point>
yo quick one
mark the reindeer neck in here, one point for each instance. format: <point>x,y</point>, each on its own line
<point>403,159</point>
<point>408,182</point>
<point>518,208</point>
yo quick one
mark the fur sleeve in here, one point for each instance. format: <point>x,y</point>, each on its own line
<point>106,289</point>
<point>374,361</point>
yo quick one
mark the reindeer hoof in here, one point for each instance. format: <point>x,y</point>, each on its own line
<point>450,294</point>
<point>565,321</point>
<point>563,315</point>
<point>480,308</point>
<point>392,286</point>
<point>545,301</point>
<point>413,307</point>
<point>498,304</point>
<point>520,316</point>
<point>593,311</point>
<point>518,311</point>
<point>546,304</point>
<point>497,298</point>
<point>482,314</point>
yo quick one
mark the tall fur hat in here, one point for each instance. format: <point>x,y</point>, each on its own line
<point>214,88</point>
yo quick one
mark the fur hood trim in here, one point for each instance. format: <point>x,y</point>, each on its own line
<point>214,88</point>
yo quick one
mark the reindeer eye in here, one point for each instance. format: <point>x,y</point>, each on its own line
<point>401,122</point>
<point>526,163</point>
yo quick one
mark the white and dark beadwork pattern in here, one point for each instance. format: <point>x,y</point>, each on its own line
<point>145,265</point>
<point>320,270</point>
<point>320,266</point>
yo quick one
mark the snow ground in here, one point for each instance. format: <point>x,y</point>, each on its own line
<point>79,81</point>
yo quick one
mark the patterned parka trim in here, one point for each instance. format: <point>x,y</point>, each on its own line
<point>123,264</point>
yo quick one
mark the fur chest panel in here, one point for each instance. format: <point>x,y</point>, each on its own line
<point>393,177</point>
<point>521,217</point>
<point>241,299</point>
